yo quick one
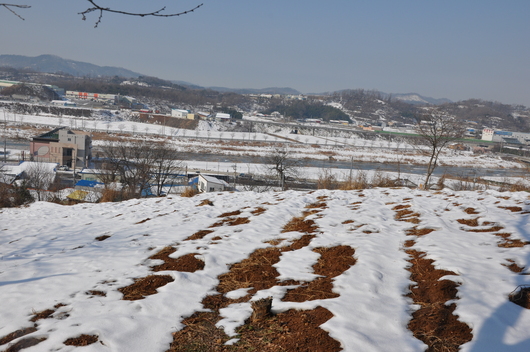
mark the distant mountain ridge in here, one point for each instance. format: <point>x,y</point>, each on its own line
<point>271,90</point>
<point>53,64</point>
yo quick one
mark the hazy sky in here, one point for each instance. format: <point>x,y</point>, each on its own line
<point>456,49</point>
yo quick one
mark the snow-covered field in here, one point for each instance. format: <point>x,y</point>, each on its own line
<point>213,138</point>
<point>54,257</point>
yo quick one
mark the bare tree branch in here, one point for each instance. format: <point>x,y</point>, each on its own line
<point>158,13</point>
<point>9,7</point>
<point>437,131</point>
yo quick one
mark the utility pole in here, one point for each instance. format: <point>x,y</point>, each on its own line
<point>235,174</point>
<point>5,137</point>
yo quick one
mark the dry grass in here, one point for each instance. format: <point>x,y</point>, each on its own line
<point>419,232</point>
<point>112,195</point>
<point>470,211</point>
<point>205,202</point>
<point>198,235</point>
<point>513,209</point>
<point>189,192</point>
<point>300,224</point>
<point>513,266</point>
<point>82,340</point>
<point>469,222</point>
<point>144,287</point>
<point>16,334</point>
<point>258,211</point>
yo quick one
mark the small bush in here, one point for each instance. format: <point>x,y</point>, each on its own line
<point>327,180</point>
<point>360,181</point>
<point>113,195</point>
<point>189,192</point>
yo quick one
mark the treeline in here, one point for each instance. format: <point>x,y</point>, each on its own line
<point>307,109</point>
<point>31,109</point>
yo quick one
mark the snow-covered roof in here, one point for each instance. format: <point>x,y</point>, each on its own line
<point>221,115</point>
<point>212,179</point>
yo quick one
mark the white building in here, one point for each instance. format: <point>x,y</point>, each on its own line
<point>222,116</point>
<point>179,113</point>
<point>211,184</point>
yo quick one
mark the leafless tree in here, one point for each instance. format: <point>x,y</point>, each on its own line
<point>281,163</point>
<point>94,7</point>
<point>39,177</point>
<point>437,131</point>
<point>165,167</point>
<point>140,166</point>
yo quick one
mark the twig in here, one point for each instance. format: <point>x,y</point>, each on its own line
<point>8,6</point>
<point>157,13</point>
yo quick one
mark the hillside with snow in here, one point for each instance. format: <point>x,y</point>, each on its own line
<point>368,270</point>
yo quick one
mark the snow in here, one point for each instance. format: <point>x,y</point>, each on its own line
<point>49,255</point>
<point>207,137</point>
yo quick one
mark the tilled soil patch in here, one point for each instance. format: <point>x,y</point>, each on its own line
<point>42,315</point>
<point>144,287</point>
<point>255,272</point>
<point>332,262</point>
<point>508,242</point>
<point>513,209</point>
<point>198,235</point>
<point>300,224</point>
<point>290,331</point>
<point>16,334</point>
<point>83,340</point>
<point>513,266</point>
<point>24,343</point>
<point>434,323</point>
<point>231,221</point>
<point>187,263</point>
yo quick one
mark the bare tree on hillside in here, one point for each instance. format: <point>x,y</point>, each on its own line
<point>437,131</point>
<point>93,7</point>
<point>165,168</point>
<point>281,163</point>
<point>139,167</point>
<point>39,177</point>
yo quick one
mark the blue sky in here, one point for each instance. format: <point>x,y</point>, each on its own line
<point>456,49</point>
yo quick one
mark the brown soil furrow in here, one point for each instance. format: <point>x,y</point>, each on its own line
<point>144,287</point>
<point>198,235</point>
<point>82,340</point>
<point>293,330</point>
<point>434,323</point>
<point>258,211</point>
<point>231,221</point>
<point>288,331</point>
<point>513,266</point>
<point>42,315</point>
<point>16,334</point>
<point>300,224</point>
<point>332,263</point>
<point>187,263</point>
<point>513,209</point>
<point>24,343</point>
<point>256,271</point>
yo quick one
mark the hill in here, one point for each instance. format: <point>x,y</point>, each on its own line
<point>368,270</point>
<point>54,64</point>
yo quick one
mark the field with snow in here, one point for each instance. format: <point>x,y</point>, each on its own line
<point>209,137</point>
<point>368,270</point>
